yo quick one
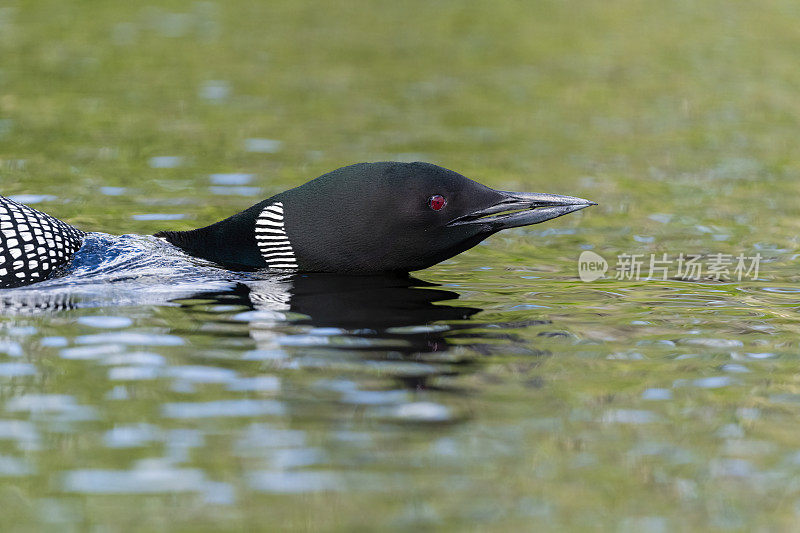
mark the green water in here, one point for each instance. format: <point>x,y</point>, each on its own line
<point>510,395</point>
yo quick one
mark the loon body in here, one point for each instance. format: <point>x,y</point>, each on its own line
<point>362,219</point>
<point>33,245</point>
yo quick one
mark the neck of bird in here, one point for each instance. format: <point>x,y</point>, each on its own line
<point>230,242</point>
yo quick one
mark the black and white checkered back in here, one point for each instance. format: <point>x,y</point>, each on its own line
<point>32,244</point>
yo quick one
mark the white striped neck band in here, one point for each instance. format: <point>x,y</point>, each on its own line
<point>271,238</point>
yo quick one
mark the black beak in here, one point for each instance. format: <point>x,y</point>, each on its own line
<point>523,209</point>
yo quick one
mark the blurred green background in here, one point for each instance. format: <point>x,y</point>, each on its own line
<point>653,100</point>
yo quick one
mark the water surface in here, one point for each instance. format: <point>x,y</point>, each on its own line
<point>496,391</point>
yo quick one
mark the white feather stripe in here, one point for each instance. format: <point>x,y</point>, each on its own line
<point>277,255</point>
<point>274,246</point>
<point>271,238</point>
<point>267,251</point>
<point>270,216</point>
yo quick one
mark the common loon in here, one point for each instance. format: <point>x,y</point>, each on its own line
<point>361,219</point>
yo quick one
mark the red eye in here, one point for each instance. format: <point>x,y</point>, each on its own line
<point>437,201</point>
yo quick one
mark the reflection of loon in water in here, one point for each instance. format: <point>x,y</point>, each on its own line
<point>329,300</point>
<point>367,218</point>
<point>403,325</point>
<point>386,319</point>
<point>389,307</point>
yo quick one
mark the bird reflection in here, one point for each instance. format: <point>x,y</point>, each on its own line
<point>381,318</point>
<point>372,302</point>
<point>397,325</point>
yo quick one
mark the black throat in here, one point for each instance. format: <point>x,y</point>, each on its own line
<point>230,242</point>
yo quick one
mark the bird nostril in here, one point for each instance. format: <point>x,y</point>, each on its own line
<point>436,202</point>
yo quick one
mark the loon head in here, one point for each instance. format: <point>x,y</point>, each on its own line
<point>370,218</point>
